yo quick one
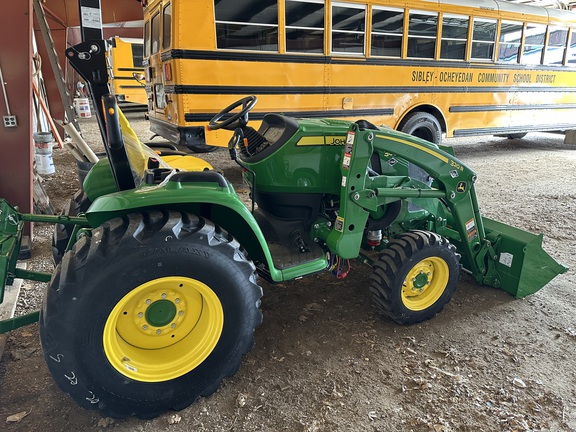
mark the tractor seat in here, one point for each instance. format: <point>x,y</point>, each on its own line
<point>139,155</point>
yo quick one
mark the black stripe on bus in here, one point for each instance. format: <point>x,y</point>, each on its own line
<point>277,90</point>
<point>515,129</point>
<point>322,59</point>
<point>131,87</point>
<point>123,69</point>
<point>204,117</point>
<point>127,78</point>
<point>483,108</point>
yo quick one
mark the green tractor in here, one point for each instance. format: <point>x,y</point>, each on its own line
<point>156,297</point>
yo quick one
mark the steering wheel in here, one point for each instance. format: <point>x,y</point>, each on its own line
<point>239,119</point>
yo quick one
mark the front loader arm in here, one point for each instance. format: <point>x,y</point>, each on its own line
<point>495,254</point>
<point>360,193</point>
<point>457,214</point>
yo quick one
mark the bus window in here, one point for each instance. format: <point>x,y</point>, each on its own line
<point>247,25</point>
<point>155,37</point>
<point>483,39</point>
<point>454,36</point>
<point>305,26</point>
<point>556,46</point>
<point>510,37</point>
<point>348,28</point>
<point>571,58</point>
<point>147,39</point>
<point>422,33</point>
<point>533,44</point>
<point>166,26</point>
<point>137,55</point>
<point>387,30</point>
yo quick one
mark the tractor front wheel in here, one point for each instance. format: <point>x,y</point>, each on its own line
<point>415,277</point>
<point>149,313</point>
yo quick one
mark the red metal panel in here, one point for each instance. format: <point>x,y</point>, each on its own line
<point>16,143</point>
<point>16,154</point>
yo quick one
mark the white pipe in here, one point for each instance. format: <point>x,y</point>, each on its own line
<point>81,145</point>
<point>77,155</point>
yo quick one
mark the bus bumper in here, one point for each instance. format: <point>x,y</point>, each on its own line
<point>193,137</point>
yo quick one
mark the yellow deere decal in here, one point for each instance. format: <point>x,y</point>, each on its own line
<point>419,147</point>
<point>311,141</point>
<point>319,140</point>
<point>335,140</point>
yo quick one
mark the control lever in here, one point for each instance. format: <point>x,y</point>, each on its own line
<point>236,139</point>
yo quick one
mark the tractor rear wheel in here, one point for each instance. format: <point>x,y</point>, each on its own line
<point>415,277</point>
<point>79,203</point>
<point>148,314</point>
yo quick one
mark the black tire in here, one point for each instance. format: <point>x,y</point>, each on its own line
<point>200,305</point>
<point>202,148</point>
<point>415,277</point>
<point>516,135</point>
<point>79,203</point>
<point>511,136</point>
<point>422,125</point>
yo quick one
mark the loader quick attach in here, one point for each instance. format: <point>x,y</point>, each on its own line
<point>155,296</point>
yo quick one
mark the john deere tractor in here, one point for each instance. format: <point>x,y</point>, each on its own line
<point>156,297</point>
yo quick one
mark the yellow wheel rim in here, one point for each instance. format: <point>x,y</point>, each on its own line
<point>425,283</point>
<point>163,329</point>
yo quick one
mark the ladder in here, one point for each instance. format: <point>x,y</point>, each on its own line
<point>53,56</point>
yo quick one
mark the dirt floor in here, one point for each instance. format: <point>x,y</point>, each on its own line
<point>325,360</point>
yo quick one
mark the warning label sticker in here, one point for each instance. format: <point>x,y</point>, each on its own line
<point>471,230</point>
<point>506,259</point>
<point>339,224</point>
<point>349,142</point>
<point>346,161</point>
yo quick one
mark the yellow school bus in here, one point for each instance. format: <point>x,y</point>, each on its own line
<point>124,56</point>
<point>429,68</point>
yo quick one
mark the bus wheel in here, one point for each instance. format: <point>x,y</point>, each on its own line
<point>415,277</point>
<point>201,148</point>
<point>149,313</point>
<point>516,136</point>
<point>422,125</point>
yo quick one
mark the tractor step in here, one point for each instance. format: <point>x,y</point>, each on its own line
<point>288,241</point>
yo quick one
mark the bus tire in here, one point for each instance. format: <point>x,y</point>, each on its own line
<point>149,314</point>
<point>422,125</point>
<point>512,136</point>
<point>415,277</point>
<point>201,148</point>
<point>516,135</point>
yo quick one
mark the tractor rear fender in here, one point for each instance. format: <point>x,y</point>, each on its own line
<point>206,194</point>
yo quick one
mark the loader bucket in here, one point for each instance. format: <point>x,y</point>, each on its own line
<point>522,265</point>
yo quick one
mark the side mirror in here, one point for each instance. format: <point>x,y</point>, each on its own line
<point>138,76</point>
